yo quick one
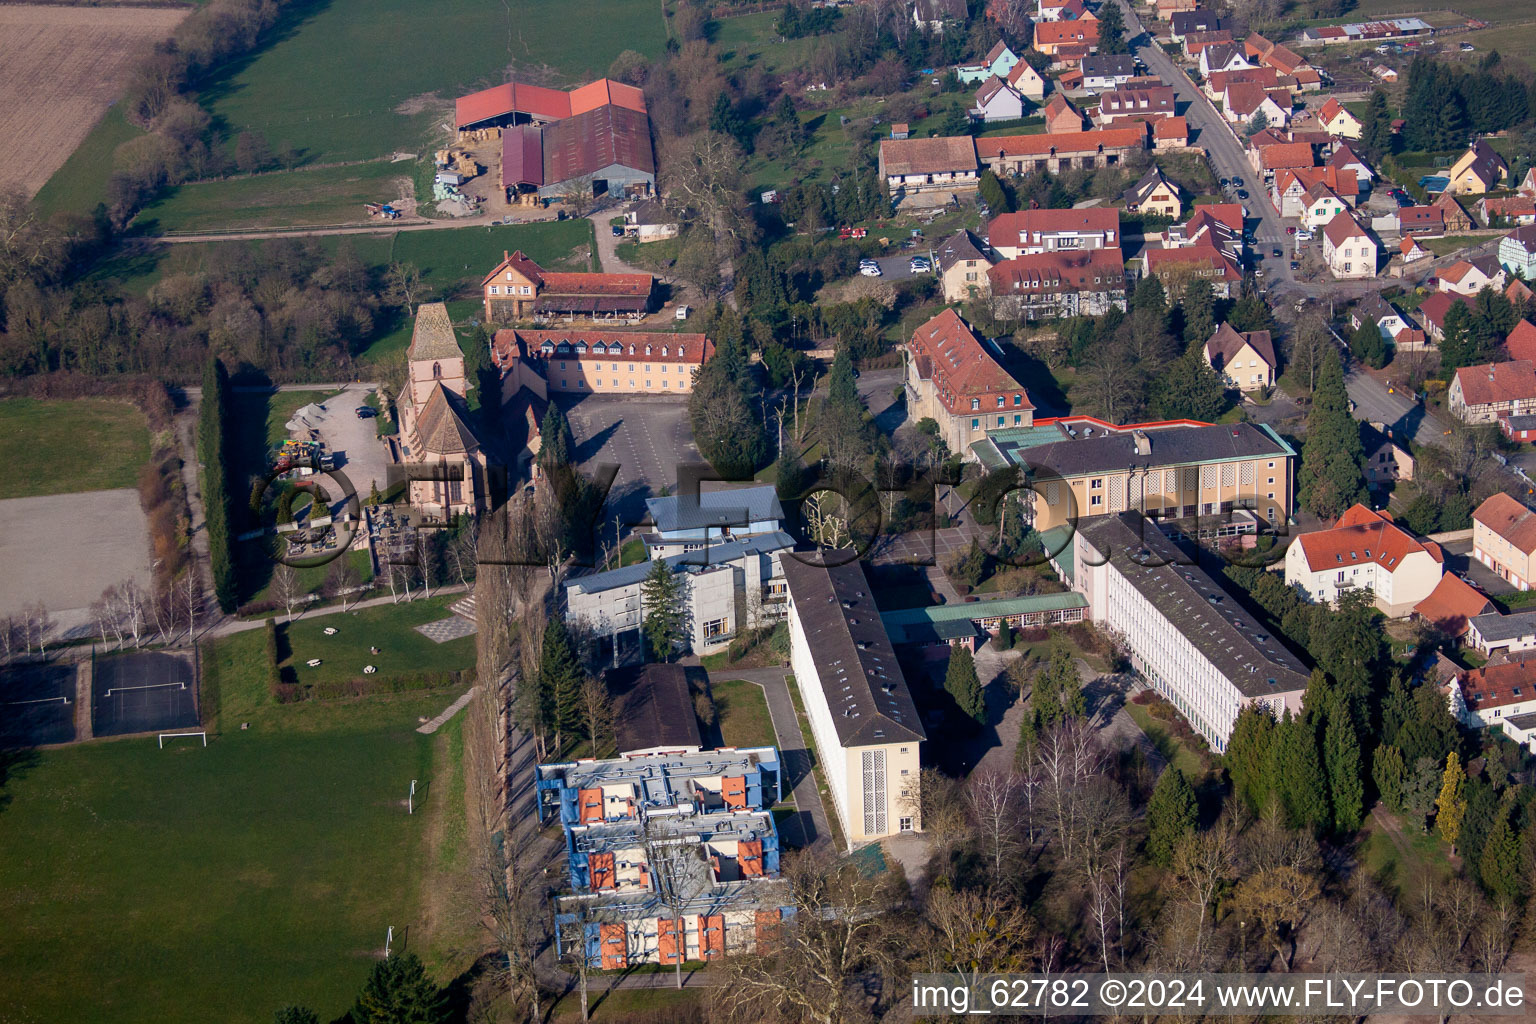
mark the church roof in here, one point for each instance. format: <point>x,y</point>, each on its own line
<point>443,427</point>
<point>433,337</point>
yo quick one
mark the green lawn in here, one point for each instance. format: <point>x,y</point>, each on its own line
<point>743,714</point>
<point>327,195</point>
<point>217,883</point>
<point>65,446</point>
<point>334,82</point>
<point>81,182</point>
<point>389,627</point>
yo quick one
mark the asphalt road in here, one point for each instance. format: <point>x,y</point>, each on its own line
<point>1217,139</point>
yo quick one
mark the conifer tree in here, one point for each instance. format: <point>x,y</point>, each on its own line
<point>1172,814</point>
<point>963,685</point>
<point>1451,807</point>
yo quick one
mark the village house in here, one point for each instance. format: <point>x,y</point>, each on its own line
<point>1246,359</point>
<point>1500,697</point>
<point>1052,36</point>
<point>519,289</point>
<point>912,166</point>
<point>1061,117</point>
<point>1175,267</point>
<point>1349,248</point>
<point>1482,394</point>
<point>1058,284</point>
<point>1517,253</point>
<point>954,378</point>
<point>996,100</point>
<point>1037,231</point>
<point>1184,22</point>
<point>1365,550</point>
<point>1007,155</point>
<point>1468,277</point>
<point>963,265</point>
<point>1480,169</point>
<point>1504,539</point>
<point>1138,104</point>
<point>1338,121</point>
<point>1027,81</point>
<point>999,61</point>
<point>1104,72</point>
<point>1243,101</point>
<point>1222,57</point>
<point>1420,221</point>
<point>1154,194</point>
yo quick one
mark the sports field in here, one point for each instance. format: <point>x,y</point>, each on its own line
<point>63,447</point>
<point>358,79</point>
<point>147,885</point>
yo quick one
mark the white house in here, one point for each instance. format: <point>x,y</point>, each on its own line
<point>996,100</point>
<point>1188,638</point>
<point>1365,550</point>
<point>1349,248</point>
<point>863,719</point>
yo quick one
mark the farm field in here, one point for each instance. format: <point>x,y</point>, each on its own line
<point>231,880</point>
<point>71,446</point>
<point>331,195</point>
<point>358,79</point>
<point>64,67</point>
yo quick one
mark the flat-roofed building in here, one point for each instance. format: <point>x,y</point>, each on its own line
<point>1190,639</point>
<point>863,719</point>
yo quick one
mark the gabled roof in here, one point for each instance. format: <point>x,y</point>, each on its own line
<point>962,369</point>
<point>443,426</point>
<point>1509,519</point>
<point>1362,536</point>
<point>861,681</point>
<point>1228,342</point>
<point>960,246</point>
<point>432,335</point>
<point>1491,383</point>
<point>1452,604</point>
<point>928,156</point>
<point>1521,342</point>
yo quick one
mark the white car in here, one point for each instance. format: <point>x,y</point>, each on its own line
<point>869,269</point>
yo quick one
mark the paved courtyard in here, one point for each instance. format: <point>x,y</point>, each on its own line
<point>645,437</point>
<point>63,550</point>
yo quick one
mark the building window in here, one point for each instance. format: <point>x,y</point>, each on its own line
<point>873,764</point>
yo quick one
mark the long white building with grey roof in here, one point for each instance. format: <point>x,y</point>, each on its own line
<point>1187,636</point>
<point>864,722</point>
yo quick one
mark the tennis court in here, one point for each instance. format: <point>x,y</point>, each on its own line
<point>37,705</point>
<point>144,692</point>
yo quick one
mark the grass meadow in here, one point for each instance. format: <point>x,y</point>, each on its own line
<point>220,883</point>
<point>69,446</point>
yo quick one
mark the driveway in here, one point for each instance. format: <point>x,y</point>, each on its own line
<point>645,437</point>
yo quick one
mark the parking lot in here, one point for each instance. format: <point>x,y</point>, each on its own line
<point>645,437</point>
<point>361,455</point>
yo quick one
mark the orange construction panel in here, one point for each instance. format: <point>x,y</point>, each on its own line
<point>768,923</point>
<point>734,789</point>
<point>711,936</point>
<point>667,940</point>
<point>602,871</point>
<point>614,946</point>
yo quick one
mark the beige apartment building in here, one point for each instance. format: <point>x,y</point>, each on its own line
<point>954,380</point>
<point>605,362</point>
<point>1082,467</point>
<point>863,719</point>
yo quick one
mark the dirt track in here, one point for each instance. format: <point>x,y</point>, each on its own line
<point>60,68</point>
